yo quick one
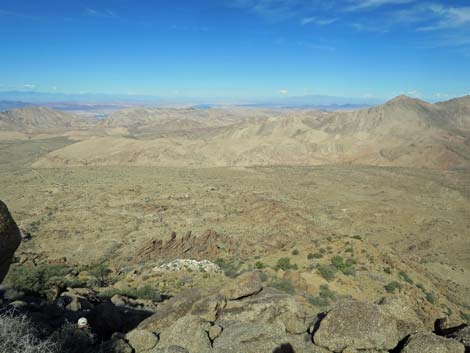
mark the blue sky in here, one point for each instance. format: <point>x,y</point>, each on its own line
<point>237,48</point>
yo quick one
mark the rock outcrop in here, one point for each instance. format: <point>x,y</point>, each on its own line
<point>210,245</point>
<point>357,325</point>
<point>431,343</point>
<point>10,239</point>
<point>248,317</point>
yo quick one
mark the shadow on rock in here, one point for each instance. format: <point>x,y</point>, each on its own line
<point>284,348</point>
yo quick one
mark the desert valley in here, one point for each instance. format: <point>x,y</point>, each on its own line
<point>229,229</point>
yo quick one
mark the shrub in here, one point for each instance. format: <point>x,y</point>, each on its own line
<point>350,250</point>
<point>317,255</point>
<point>345,267</point>
<point>146,292</point>
<point>392,286</point>
<point>18,335</point>
<point>338,262</point>
<point>420,286</point>
<point>387,270</point>
<point>404,276</point>
<point>325,297</point>
<point>358,237</point>
<point>295,252</point>
<point>36,280</point>
<point>263,276</point>
<point>284,264</point>
<point>327,272</point>
<point>465,317</point>
<point>430,297</point>
<point>231,269</point>
<point>259,265</point>
<point>284,285</point>
<point>101,272</point>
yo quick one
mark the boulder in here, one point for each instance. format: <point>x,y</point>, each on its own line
<point>141,340</point>
<point>262,338</point>
<point>171,310</point>
<point>10,239</point>
<point>431,343</point>
<point>246,284</point>
<point>294,314</point>
<point>357,325</point>
<point>188,332</point>
<point>407,320</point>
<point>462,335</point>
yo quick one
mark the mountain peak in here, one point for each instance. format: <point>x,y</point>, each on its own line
<point>402,98</point>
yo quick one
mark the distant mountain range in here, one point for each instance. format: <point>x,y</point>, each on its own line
<point>403,132</point>
<point>86,99</point>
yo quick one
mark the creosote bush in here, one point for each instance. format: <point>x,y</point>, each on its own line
<point>37,280</point>
<point>392,286</point>
<point>284,264</point>
<point>230,268</point>
<point>344,266</point>
<point>259,265</point>
<point>284,285</point>
<point>146,292</point>
<point>328,272</point>
<point>404,276</point>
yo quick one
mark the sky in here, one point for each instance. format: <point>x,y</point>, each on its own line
<point>244,49</point>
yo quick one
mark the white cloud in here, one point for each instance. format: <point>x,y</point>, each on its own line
<point>447,17</point>
<point>318,21</point>
<point>29,86</point>
<point>368,4</point>
<point>284,91</point>
<point>101,13</point>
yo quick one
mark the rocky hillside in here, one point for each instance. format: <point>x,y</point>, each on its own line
<point>40,119</point>
<point>403,132</point>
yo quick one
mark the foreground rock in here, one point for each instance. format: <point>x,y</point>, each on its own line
<point>245,285</point>
<point>431,343</point>
<point>10,239</point>
<point>246,317</point>
<point>357,325</point>
<point>463,336</point>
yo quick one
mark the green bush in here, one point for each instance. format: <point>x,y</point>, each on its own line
<point>295,252</point>
<point>325,297</point>
<point>358,237</point>
<point>317,255</point>
<point>465,317</point>
<point>146,292</point>
<point>387,270</point>
<point>230,268</point>
<point>404,276</point>
<point>328,272</point>
<point>259,265</point>
<point>430,297</point>
<point>36,280</point>
<point>420,286</point>
<point>284,285</point>
<point>345,267</point>
<point>392,287</point>
<point>350,250</point>
<point>263,276</point>
<point>284,264</point>
<point>101,272</point>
